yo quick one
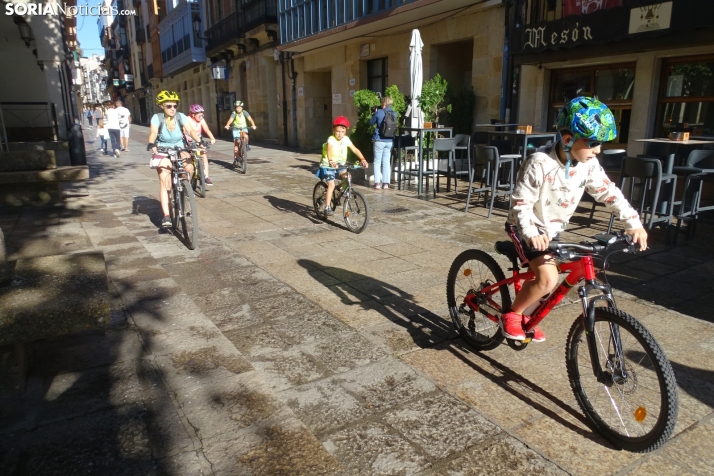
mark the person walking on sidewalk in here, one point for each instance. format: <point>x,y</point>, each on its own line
<point>97,113</point>
<point>200,126</point>
<point>103,135</point>
<point>168,130</point>
<point>90,115</point>
<point>124,124</point>
<point>113,128</point>
<point>386,121</point>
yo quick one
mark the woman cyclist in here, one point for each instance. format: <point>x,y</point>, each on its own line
<point>167,130</point>
<point>199,125</point>
<point>238,122</point>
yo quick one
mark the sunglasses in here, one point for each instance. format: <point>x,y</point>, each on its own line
<point>593,143</point>
<point>170,106</point>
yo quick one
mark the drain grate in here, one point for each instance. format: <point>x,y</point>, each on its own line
<point>392,211</point>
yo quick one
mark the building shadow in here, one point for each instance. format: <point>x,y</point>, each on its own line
<point>92,400</point>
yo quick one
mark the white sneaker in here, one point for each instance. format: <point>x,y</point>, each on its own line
<point>116,153</point>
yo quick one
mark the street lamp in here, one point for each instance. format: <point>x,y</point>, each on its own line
<point>196,20</point>
<point>25,31</point>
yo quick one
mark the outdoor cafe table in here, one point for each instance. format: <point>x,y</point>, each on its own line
<point>669,162</point>
<point>420,133</point>
<point>671,157</point>
<point>524,140</point>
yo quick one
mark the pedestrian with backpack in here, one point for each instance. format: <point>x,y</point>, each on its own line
<point>386,121</point>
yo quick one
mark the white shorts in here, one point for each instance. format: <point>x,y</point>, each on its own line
<point>124,131</point>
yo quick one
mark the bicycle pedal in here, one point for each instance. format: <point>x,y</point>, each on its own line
<point>527,340</point>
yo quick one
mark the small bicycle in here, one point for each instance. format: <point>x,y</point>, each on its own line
<point>354,207</point>
<point>198,180</point>
<point>620,376</point>
<point>183,202</point>
<point>240,156</point>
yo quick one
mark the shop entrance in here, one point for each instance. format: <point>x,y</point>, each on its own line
<point>318,107</point>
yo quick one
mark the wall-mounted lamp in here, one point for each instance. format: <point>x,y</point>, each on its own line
<point>196,20</point>
<point>25,31</point>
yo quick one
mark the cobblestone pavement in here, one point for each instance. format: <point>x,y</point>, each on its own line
<point>287,345</point>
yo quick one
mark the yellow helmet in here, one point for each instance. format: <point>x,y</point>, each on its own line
<point>164,96</point>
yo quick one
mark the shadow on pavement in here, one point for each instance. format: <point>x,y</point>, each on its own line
<point>93,403</point>
<point>290,206</point>
<point>423,326</point>
<point>525,390</point>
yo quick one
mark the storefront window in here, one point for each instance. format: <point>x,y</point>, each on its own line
<point>613,85</point>
<point>686,97</point>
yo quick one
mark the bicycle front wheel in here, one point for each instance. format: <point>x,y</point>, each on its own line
<point>174,207</point>
<point>319,194</point>
<point>240,163</point>
<point>355,211</point>
<point>198,181</point>
<point>472,271</point>
<point>189,217</point>
<point>635,406</point>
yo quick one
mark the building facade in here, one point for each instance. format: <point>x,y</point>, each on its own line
<point>337,49</point>
<point>93,80</point>
<point>650,61</point>
<point>37,94</point>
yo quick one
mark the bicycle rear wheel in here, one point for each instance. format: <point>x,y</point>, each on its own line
<point>355,211</point>
<point>318,199</point>
<point>636,407</point>
<point>189,217</point>
<point>198,180</point>
<point>472,271</point>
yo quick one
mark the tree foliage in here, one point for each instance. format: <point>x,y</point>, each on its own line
<point>433,93</point>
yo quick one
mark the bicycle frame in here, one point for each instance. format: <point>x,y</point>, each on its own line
<point>343,187</point>
<point>582,269</point>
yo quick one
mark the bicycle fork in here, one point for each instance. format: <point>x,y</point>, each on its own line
<point>602,376</point>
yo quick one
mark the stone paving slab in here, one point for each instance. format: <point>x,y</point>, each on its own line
<point>287,345</point>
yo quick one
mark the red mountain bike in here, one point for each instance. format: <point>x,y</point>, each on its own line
<point>620,376</point>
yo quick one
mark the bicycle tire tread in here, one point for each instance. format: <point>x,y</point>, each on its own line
<point>670,384</point>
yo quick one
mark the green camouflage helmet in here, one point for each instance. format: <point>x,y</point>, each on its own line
<point>587,118</point>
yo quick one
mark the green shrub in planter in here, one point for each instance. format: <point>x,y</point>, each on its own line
<point>433,93</point>
<point>362,132</point>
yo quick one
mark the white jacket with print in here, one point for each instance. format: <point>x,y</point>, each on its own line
<point>544,199</point>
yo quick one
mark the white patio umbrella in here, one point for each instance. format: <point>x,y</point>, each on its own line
<point>416,78</point>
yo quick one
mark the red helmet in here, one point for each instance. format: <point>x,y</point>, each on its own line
<point>341,121</point>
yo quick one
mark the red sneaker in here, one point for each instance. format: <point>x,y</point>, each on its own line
<point>511,326</point>
<point>538,335</point>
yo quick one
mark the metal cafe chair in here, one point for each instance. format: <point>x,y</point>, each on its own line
<point>496,173</point>
<point>645,176</point>
<point>698,170</point>
<point>442,144</point>
<point>458,165</point>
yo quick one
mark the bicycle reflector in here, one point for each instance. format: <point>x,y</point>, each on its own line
<point>640,414</point>
<point>467,272</point>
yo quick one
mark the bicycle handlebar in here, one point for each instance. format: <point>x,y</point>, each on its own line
<point>604,241</point>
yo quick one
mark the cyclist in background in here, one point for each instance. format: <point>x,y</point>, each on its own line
<point>199,125</point>
<point>334,156</point>
<point>238,122</point>
<point>167,130</point>
<point>549,187</point>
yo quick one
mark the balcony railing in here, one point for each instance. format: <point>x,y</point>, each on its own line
<point>223,31</point>
<point>140,35</point>
<point>530,12</point>
<point>259,12</point>
<point>303,18</point>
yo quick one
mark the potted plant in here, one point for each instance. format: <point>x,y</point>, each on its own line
<point>431,100</point>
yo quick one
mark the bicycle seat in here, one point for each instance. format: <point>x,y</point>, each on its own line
<point>508,249</point>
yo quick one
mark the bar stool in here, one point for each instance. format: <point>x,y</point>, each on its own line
<point>649,171</point>
<point>496,172</point>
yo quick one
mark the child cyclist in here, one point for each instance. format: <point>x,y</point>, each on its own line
<point>238,122</point>
<point>548,190</point>
<point>334,156</point>
<point>199,125</point>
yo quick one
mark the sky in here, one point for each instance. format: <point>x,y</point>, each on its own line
<point>88,31</point>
